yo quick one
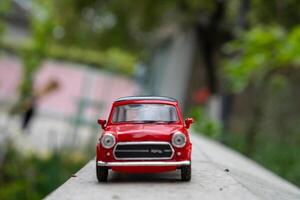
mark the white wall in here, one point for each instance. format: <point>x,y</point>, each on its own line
<point>172,67</point>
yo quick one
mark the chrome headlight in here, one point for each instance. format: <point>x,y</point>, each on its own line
<point>178,140</point>
<point>108,140</point>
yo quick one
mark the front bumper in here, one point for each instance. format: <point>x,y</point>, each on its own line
<point>143,163</point>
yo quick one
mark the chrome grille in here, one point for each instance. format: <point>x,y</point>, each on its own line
<point>143,151</point>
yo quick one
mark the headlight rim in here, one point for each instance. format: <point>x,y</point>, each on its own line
<point>173,138</point>
<point>108,135</point>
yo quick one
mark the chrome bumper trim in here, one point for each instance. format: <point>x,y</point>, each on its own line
<point>143,163</point>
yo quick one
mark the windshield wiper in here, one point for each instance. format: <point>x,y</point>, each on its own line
<point>156,122</point>
<point>165,122</point>
<point>149,122</point>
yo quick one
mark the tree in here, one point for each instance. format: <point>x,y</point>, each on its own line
<point>260,53</point>
<point>4,9</point>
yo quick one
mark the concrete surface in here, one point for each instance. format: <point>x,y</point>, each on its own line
<point>218,173</point>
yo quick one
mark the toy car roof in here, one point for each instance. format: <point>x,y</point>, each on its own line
<point>132,98</point>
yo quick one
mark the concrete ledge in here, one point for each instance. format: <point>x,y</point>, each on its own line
<point>218,173</point>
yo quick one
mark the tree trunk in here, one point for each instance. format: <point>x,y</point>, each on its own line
<point>254,124</point>
<point>208,38</point>
<point>228,97</point>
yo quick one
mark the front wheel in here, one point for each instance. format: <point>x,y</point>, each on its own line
<point>102,173</point>
<point>186,173</point>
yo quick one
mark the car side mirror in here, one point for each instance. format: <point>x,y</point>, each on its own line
<point>188,122</point>
<point>102,123</point>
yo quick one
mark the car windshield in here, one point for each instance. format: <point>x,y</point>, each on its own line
<point>145,113</point>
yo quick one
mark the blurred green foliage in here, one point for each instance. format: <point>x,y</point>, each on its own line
<point>123,24</point>
<point>5,6</point>
<point>124,64</point>
<point>284,162</point>
<point>259,53</point>
<point>276,154</point>
<point>285,13</point>
<point>267,59</point>
<point>41,25</point>
<point>205,125</point>
<point>33,176</point>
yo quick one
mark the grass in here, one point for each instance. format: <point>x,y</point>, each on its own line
<point>32,176</point>
<point>276,154</point>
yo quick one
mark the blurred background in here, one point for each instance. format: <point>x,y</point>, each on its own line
<point>233,65</point>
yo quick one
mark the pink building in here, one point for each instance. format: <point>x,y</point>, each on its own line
<point>68,115</point>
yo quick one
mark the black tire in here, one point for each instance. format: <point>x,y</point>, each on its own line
<point>102,173</point>
<point>186,173</point>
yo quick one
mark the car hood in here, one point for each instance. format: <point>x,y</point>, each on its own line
<point>144,132</point>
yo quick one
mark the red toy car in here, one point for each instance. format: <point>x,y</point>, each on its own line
<point>144,135</point>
